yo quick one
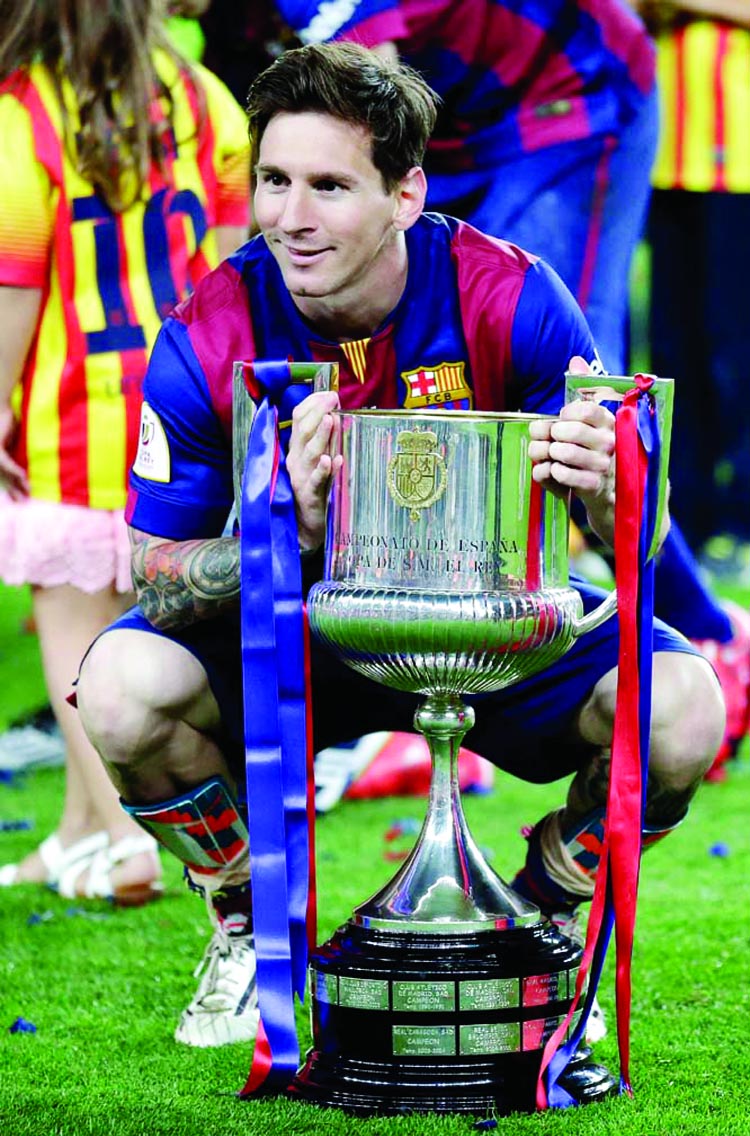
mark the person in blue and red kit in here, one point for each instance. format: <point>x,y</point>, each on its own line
<point>545,136</point>
<point>348,267</point>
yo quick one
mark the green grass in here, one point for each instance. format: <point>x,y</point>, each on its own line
<point>105,988</point>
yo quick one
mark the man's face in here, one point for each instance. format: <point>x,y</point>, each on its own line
<point>322,207</point>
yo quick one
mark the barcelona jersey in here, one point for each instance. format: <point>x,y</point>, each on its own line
<point>481,324</point>
<point>513,75</point>
<point>107,279</point>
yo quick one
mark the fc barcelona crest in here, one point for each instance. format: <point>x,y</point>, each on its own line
<point>417,474</point>
<point>444,386</point>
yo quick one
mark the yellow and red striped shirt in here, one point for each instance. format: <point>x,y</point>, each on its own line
<point>108,279</point>
<point>703,72</point>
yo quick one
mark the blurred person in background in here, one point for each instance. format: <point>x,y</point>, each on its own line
<point>699,232</point>
<point>125,180</point>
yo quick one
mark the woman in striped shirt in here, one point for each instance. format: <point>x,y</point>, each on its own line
<point>125,175</point>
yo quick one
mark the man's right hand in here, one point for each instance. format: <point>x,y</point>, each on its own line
<point>13,477</point>
<point>310,464</point>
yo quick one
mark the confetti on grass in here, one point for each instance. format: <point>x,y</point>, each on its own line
<point>21,1025</point>
<point>82,913</point>
<point>406,826</point>
<point>719,849</point>
<point>403,827</point>
<point>16,825</point>
<point>37,917</point>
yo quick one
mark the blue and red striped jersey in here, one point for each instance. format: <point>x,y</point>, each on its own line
<point>481,324</point>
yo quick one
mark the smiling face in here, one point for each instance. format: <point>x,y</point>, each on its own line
<point>332,226</point>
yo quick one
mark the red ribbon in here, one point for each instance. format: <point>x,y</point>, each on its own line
<point>619,865</point>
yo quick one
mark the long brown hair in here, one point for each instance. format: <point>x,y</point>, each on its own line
<point>105,50</point>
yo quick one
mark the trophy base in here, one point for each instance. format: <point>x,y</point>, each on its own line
<point>439,1023</point>
<point>479,1088</point>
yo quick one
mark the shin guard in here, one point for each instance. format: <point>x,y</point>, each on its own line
<point>203,828</point>
<point>652,835</point>
<point>560,868</point>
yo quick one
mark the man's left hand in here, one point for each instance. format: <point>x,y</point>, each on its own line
<point>576,452</point>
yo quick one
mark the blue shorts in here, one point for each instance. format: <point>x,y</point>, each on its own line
<point>526,729</point>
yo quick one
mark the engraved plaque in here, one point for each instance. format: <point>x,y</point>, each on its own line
<point>539,989</point>
<point>489,994</point>
<point>424,997</point>
<point>536,1034</point>
<point>424,1041</point>
<point>325,987</point>
<point>363,993</point>
<point>490,1037</point>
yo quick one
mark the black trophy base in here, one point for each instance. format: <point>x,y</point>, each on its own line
<point>448,1024</point>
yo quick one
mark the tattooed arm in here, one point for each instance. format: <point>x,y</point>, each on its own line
<point>179,582</point>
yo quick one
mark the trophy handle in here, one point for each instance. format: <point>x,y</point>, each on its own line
<point>612,388</point>
<point>596,617</point>
<point>318,376</point>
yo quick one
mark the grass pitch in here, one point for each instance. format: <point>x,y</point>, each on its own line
<point>104,987</point>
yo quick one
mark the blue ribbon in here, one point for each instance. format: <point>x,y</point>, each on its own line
<point>275,735</point>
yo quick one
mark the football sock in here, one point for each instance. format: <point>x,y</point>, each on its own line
<point>561,865</point>
<point>560,868</point>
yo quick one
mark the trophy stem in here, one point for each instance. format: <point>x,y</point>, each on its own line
<point>443,720</point>
<point>445,885</point>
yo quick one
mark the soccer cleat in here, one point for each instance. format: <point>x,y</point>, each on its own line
<point>731,661</point>
<point>224,1009</point>
<point>570,924</point>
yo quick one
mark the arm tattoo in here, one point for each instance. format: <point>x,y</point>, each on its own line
<point>182,582</point>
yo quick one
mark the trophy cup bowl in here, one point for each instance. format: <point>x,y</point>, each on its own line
<point>446,573</point>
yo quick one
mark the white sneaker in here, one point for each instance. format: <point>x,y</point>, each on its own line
<point>225,1007</point>
<point>31,747</point>
<point>571,924</point>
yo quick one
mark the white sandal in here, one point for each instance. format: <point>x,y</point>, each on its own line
<point>99,878</point>
<point>57,860</point>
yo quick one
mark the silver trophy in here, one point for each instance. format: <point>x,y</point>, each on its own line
<point>446,573</point>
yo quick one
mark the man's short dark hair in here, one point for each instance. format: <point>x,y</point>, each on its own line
<point>391,100</point>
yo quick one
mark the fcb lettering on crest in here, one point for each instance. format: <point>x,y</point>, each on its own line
<point>442,386</point>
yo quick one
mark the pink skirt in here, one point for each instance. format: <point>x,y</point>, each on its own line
<point>47,544</point>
